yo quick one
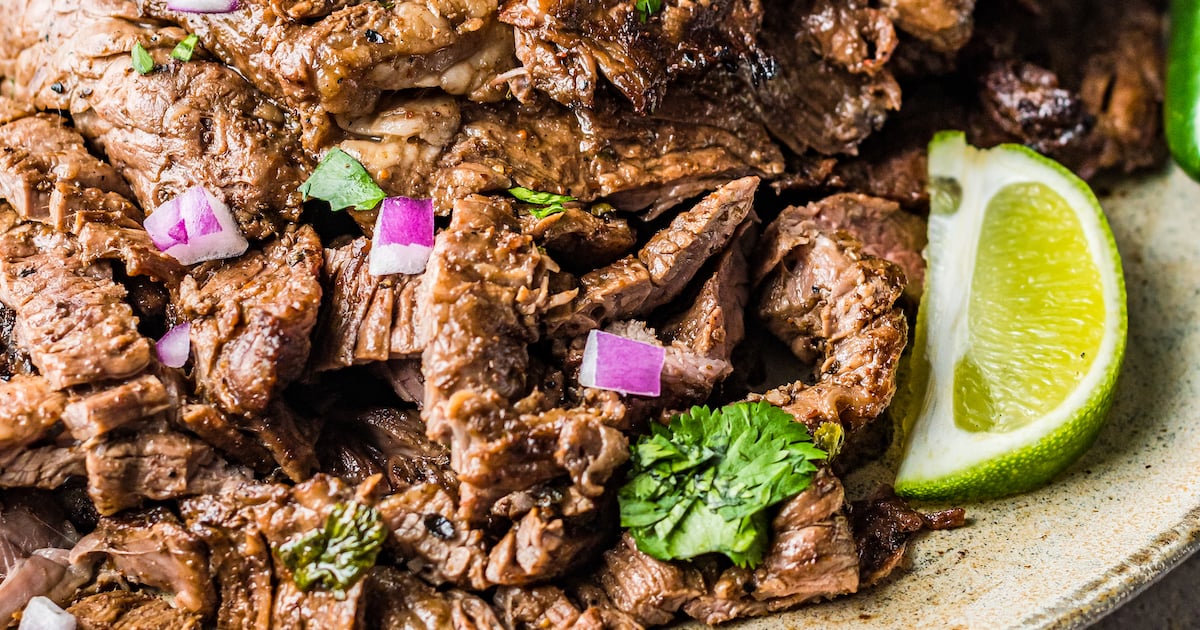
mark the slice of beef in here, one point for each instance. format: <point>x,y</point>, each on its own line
<point>565,45</point>
<point>366,318</point>
<point>944,26</point>
<point>690,145</point>
<point>46,467</point>
<point>47,572</point>
<point>812,555</point>
<point>45,171</point>
<point>388,441</point>
<point>184,124</point>
<point>1024,103</point>
<point>48,175</point>
<point>581,240</point>
<point>42,278</point>
<point>649,590</point>
<point>29,408</point>
<point>241,527</point>
<point>883,526</point>
<point>251,320</point>
<point>833,87</point>
<point>125,470</point>
<point>215,428</point>
<point>835,308</point>
<point>662,269</point>
<point>153,549</point>
<point>342,61</point>
<point>397,600</point>
<point>129,610</point>
<point>884,230</point>
<point>98,413</point>
<point>438,546</point>
<point>586,608</point>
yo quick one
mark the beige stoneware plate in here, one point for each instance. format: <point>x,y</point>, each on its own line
<point>1129,511</point>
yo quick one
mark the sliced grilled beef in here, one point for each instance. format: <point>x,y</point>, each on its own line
<point>43,279</point>
<point>884,230</point>
<point>635,286</point>
<point>649,590</point>
<point>216,428</point>
<point>691,144</point>
<point>30,520</point>
<point>342,60</point>
<point>128,610</point>
<point>883,526</point>
<point>47,572</point>
<point>579,239</point>
<point>29,407</point>
<point>153,549</point>
<point>551,607</point>
<point>123,471</point>
<point>96,414</point>
<point>47,174</point>
<point>45,467</point>
<point>834,306</point>
<point>251,321</point>
<point>812,555</point>
<point>184,124</point>
<point>13,361</point>
<point>944,26</point>
<point>366,318</point>
<point>396,600</point>
<point>565,45</point>
<point>1024,102</point>
<point>832,88</point>
<point>388,441</point>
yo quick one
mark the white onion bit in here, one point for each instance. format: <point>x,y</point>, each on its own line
<point>175,346</point>
<point>43,614</point>
<point>622,365</point>
<point>203,6</point>
<point>403,238</point>
<point>195,227</point>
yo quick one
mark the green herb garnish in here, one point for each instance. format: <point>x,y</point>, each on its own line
<point>142,61</point>
<point>550,203</point>
<point>646,8</point>
<point>335,555</point>
<point>184,50</point>
<point>829,437</point>
<point>343,182</point>
<point>703,484</point>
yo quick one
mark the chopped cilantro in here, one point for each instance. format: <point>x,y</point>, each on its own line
<point>142,61</point>
<point>184,50</point>
<point>703,484</point>
<point>550,203</point>
<point>335,555</point>
<point>343,182</point>
<point>646,8</point>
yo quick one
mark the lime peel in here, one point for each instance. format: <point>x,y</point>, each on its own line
<point>949,458</point>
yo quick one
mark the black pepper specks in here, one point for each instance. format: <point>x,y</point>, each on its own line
<point>439,526</point>
<point>374,37</point>
<point>57,87</point>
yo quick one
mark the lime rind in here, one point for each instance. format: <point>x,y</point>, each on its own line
<point>941,459</point>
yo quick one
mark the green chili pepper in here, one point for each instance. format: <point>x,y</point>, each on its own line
<point>1182,109</point>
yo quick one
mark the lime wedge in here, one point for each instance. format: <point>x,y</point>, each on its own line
<point>1021,329</point>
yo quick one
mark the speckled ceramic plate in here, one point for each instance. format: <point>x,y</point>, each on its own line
<point>1125,514</point>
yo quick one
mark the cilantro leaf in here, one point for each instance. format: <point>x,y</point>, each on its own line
<point>335,555</point>
<point>343,182</point>
<point>703,484</point>
<point>646,8</point>
<point>184,50</point>
<point>550,202</point>
<point>142,61</point>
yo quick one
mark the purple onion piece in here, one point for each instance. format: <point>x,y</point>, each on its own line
<point>195,227</point>
<point>622,365</point>
<point>175,346</point>
<point>203,6</point>
<point>404,235</point>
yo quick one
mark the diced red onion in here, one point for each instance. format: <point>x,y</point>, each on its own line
<point>195,227</point>
<point>43,614</point>
<point>622,365</point>
<point>403,237</point>
<point>203,6</point>
<point>175,346</point>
